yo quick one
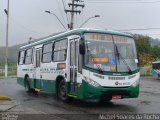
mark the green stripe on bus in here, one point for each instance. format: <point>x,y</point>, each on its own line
<point>43,85</point>
<point>87,91</point>
<point>110,73</point>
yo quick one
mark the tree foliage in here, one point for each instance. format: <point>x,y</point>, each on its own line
<point>155,51</point>
<point>142,44</point>
<point>146,53</point>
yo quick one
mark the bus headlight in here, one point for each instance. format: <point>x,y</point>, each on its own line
<point>91,82</point>
<point>135,83</point>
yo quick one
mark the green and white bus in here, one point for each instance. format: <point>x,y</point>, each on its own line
<point>156,69</point>
<point>83,64</point>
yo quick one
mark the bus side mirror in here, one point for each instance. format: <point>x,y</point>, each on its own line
<point>82,46</point>
<point>136,61</point>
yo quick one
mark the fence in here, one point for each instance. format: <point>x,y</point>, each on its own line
<point>11,71</point>
<point>145,71</point>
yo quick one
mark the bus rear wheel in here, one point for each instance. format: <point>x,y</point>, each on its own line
<point>104,100</point>
<point>62,91</point>
<point>27,85</point>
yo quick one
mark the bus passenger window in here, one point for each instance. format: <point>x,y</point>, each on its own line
<point>21,57</point>
<point>28,56</point>
<point>60,50</point>
<point>38,58</point>
<point>47,53</point>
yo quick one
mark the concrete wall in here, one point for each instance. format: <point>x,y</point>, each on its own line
<point>146,71</point>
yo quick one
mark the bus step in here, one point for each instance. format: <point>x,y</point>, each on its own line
<point>37,90</point>
<point>70,95</point>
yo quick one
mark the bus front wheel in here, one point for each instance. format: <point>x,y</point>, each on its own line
<point>62,91</point>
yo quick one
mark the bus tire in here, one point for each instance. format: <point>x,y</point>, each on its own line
<point>61,93</point>
<point>27,85</point>
<point>101,101</point>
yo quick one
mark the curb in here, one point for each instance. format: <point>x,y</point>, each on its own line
<point>6,105</point>
<point>2,77</point>
<point>146,77</point>
<point>5,98</point>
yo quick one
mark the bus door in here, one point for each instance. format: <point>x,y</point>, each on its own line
<point>37,68</point>
<point>73,65</point>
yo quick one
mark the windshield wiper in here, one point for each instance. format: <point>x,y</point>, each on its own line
<point>98,67</point>
<point>118,54</point>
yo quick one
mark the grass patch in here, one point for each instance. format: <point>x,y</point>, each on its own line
<point>14,73</point>
<point>1,74</point>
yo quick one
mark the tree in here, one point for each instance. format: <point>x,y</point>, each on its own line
<point>142,44</point>
<point>145,59</point>
<point>155,51</point>
<point>144,49</point>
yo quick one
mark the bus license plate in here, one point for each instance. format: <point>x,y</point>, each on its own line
<point>116,97</point>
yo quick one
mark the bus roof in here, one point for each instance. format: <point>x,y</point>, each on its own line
<point>78,31</point>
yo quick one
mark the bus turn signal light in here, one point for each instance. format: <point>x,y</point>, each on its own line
<point>78,85</point>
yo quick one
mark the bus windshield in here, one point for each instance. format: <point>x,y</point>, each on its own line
<point>110,52</point>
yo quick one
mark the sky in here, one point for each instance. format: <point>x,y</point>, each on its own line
<point>28,19</point>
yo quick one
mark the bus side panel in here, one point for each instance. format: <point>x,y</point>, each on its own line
<point>31,81</point>
<point>20,81</point>
<point>21,71</point>
<point>25,70</point>
<point>49,74</point>
<point>37,83</point>
<point>46,85</point>
<point>87,91</point>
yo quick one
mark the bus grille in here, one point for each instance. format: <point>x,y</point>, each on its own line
<point>116,78</point>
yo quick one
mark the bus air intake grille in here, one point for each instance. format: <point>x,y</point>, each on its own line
<point>116,78</point>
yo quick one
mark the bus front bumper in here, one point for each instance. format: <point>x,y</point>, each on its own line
<point>87,91</point>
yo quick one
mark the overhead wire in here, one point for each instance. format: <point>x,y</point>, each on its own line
<point>139,29</point>
<point>64,9</point>
<point>60,11</point>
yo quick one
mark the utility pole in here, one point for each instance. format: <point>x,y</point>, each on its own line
<point>73,5</point>
<point>6,50</point>
<point>72,15</point>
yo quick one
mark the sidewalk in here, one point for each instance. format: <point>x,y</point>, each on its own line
<point>146,77</point>
<point>6,105</point>
<point>3,77</point>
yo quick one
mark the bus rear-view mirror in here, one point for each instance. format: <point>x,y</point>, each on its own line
<point>82,46</point>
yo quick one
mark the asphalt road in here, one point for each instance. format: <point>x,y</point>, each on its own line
<point>44,103</point>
